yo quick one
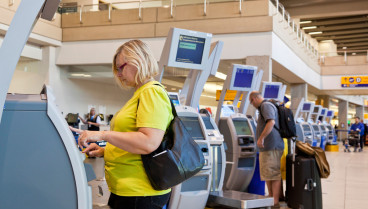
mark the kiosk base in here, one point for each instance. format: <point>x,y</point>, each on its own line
<point>235,199</point>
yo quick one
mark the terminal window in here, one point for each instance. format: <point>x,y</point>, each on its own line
<point>243,78</point>
<point>190,49</point>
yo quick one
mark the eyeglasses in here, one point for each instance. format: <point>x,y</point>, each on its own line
<point>121,68</point>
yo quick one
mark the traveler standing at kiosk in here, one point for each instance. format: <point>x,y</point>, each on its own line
<point>270,144</point>
<point>93,120</point>
<point>138,128</point>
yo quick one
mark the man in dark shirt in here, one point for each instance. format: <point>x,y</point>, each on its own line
<point>270,144</point>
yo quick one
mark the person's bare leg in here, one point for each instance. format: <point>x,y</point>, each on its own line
<point>269,188</point>
<point>282,190</point>
<point>276,186</point>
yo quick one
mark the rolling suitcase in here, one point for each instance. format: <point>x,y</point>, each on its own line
<point>303,182</point>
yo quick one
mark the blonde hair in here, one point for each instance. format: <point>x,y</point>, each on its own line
<point>138,54</point>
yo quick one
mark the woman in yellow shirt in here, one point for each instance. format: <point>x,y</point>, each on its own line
<point>138,128</point>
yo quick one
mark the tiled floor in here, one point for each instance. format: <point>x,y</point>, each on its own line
<point>346,188</point>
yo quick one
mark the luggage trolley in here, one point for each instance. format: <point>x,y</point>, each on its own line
<point>353,140</point>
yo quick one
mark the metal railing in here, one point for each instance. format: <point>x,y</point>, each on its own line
<point>344,53</point>
<point>295,28</point>
<point>285,16</point>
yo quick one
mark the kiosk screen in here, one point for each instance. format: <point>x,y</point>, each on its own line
<point>72,118</point>
<point>306,107</point>
<point>271,91</point>
<point>315,128</point>
<point>174,99</point>
<point>329,114</point>
<point>329,128</point>
<point>243,78</point>
<point>306,128</point>
<point>226,110</point>
<point>193,127</point>
<point>315,110</point>
<point>207,123</point>
<point>190,49</point>
<point>323,112</point>
<point>242,127</point>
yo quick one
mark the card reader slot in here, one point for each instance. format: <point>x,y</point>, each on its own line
<point>247,149</point>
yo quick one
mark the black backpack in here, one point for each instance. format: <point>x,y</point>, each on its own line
<point>287,127</point>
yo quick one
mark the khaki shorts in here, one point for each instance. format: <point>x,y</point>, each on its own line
<point>269,165</point>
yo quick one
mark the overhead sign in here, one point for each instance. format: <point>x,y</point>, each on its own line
<point>354,81</point>
<point>229,96</point>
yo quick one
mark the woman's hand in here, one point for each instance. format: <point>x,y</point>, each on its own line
<point>89,136</point>
<point>93,150</point>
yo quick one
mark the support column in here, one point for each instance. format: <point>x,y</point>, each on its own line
<point>263,63</point>
<point>297,92</point>
<point>343,118</point>
<point>323,100</point>
<point>360,112</point>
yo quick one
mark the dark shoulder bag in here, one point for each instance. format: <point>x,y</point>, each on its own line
<point>176,159</point>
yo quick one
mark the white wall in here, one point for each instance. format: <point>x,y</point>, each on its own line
<point>28,78</point>
<point>286,57</point>
<point>74,96</point>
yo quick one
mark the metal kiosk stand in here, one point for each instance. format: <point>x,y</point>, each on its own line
<point>41,166</point>
<point>193,50</point>
<point>240,141</point>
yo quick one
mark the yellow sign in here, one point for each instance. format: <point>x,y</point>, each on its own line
<point>354,81</point>
<point>365,116</point>
<point>229,96</point>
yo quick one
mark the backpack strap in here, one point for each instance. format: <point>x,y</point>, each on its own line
<point>277,112</point>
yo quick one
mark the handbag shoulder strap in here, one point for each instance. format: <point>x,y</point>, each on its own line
<point>173,110</point>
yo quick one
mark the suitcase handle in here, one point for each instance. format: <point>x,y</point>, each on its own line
<point>310,185</point>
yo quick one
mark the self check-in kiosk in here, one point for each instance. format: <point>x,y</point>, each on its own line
<point>317,131</point>
<point>40,164</point>
<point>331,131</point>
<point>240,142</point>
<point>193,50</point>
<point>302,116</point>
<point>323,128</point>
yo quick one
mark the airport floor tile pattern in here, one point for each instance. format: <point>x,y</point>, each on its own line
<point>346,188</point>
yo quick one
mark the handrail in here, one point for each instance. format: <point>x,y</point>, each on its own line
<point>346,53</point>
<point>80,14</point>
<point>240,6</point>
<point>205,8</point>
<point>140,10</point>
<point>285,16</point>
<point>110,8</point>
<point>171,8</point>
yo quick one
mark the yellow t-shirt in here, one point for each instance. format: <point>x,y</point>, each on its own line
<point>124,171</point>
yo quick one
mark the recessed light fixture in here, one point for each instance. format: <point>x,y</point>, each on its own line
<point>314,33</point>
<point>305,22</point>
<point>344,47</point>
<point>311,27</point>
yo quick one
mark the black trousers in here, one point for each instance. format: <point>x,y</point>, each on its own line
<point>148,202</point>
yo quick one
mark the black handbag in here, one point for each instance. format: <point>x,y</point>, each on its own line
<point>176,159</point>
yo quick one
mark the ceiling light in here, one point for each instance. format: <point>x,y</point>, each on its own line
<point>77,75</point>
<point>305,22</point>
<point>327,41</point>
<point>220,76</point>
<point>87,76</point>
<point>353,53</point>
<point>344,47</point>
<point>314,33</point>
<point>166,6</point>
<point>311,27</point>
